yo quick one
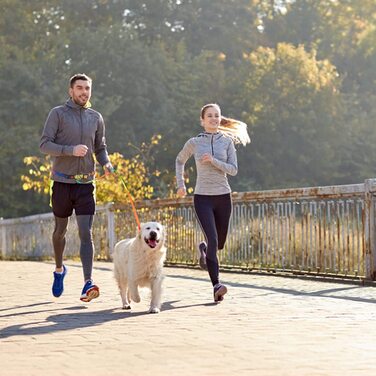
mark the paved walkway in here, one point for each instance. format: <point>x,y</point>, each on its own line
<point>266,326</point>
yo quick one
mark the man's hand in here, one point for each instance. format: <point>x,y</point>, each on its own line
<point>80,150</point>
<point>108,169</point>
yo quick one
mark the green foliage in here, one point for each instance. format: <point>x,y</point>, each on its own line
<point>300,73</point>
<point>289,99</point>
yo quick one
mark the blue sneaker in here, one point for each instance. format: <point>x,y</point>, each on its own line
<point>89,292</point>
<point>58,285</point>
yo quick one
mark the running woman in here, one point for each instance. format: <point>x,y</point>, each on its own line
<point>215,157</point>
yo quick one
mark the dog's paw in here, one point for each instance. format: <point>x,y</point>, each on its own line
<point>154,310</point>
<point>126,306</point>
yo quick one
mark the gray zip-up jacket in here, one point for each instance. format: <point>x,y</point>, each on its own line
<point>67,126</point>
<point>211,177</point>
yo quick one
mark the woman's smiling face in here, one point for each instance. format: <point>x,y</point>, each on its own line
<point>211,119</point>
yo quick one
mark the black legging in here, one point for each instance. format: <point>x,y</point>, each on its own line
<point>213,214</point>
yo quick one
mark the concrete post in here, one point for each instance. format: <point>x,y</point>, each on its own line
<point>3,249</point>
<point>111,236</point>
<point>369,229</point>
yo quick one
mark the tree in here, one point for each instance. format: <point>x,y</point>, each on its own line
<point>301,73</point>
<point>290,102</point>
<point>225,26</point>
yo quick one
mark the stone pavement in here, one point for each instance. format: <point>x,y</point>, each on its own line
<point>267,325</point>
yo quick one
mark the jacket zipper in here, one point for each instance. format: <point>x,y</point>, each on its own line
<point>212,147</point>
<point>81,131</point>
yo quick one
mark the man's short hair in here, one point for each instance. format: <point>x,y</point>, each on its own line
<point>79,76</point>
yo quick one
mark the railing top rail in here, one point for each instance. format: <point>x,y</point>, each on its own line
<point>27,219</point>
<point>326,192</point>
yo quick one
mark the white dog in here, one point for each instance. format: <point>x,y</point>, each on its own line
<point>138,262</point>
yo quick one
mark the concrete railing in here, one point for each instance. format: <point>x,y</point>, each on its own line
<point>320,230</point>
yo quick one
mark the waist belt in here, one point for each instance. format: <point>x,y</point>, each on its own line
<point>75,177</point>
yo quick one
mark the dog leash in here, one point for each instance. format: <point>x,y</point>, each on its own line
<point>129,196</point>
<point>132,202</point>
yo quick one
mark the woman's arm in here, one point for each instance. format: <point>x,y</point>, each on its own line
<point>231,165</point>
<point>181,159</point>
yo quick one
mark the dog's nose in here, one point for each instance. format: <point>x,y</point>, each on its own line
<point>153,234</point>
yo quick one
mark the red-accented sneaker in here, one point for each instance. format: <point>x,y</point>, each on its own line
<point>89,292</point>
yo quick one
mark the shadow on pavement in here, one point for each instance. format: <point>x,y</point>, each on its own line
<point>26,306</point>
<point>325,293</point>
<point>75,320</point>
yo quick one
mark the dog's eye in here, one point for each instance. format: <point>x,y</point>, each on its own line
<point>158,229</point>
<point>147,228</point>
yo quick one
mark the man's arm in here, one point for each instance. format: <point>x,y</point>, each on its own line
<point>100,146</point>
<point>47,142</point>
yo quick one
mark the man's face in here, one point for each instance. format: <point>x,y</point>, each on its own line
<point>80,92</point>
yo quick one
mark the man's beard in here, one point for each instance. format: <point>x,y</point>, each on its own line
<point>79,101</point>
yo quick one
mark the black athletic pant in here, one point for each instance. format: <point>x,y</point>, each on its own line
<point>213,214</point>
<point>84,223</point>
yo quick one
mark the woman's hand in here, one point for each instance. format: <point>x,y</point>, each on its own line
<point>207,158</point>
<point>181,192</point>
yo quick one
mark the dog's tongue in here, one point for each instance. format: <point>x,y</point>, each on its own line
<point>152,243</point>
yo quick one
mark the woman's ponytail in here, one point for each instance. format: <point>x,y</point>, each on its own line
<point>235,129</point>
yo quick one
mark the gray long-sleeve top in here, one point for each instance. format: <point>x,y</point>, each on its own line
<point>70,125</point>
<point>211,177</point>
